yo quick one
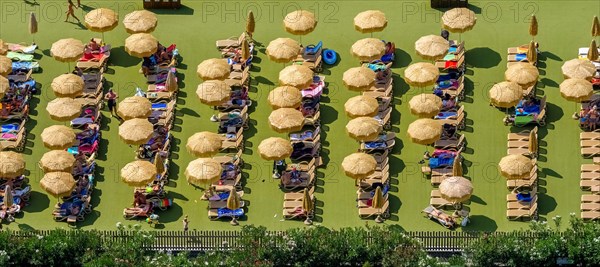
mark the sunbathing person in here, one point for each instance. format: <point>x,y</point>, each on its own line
<point>279,167</point>
<point>448,102</point>
<point>443,218</point>
<point>593,118</point>
<point>93,46</point>
<point>139,200</point>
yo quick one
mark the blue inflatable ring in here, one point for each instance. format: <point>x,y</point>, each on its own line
<point>329,56</point>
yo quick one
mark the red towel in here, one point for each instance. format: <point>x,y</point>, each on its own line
<point>451,65</point>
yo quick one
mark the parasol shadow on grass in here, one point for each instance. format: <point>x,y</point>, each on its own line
<point>399,87</point>
<point>478,200</point>
<point>482,57</point>
<point>480,223</point>
<point>549,82</point>
<point>552,173</point>
<point>395,204</point>
<point>173,214</point>
<point>41,203</point>
<point>547,54</point>
<point>119,57</point>
<point>546,204</point>
<point>402,59</point>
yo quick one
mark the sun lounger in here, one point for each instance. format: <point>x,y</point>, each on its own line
<point>515,205</point>
<point>589,184</point>
<point>297,196</point>
<point>439,216</point>
<point>13,140</point>
<point>457,120</point>
<point>228,184</point>
<point>215,214</point>
<point>590,151</point>
<point>518,50</point>
<point>219,204</point>
<point>20,48</point>
<point>590,206</point>
<point>519,214</point>
<point>451,143</point>
<point>513,197</point>
<point>590,198</point>
<point>437,201</point>
<point>231,42</point>
<point>457,64</point>
<point>595,135</point>
<point>590,215</point>
<point>589,143</point>
<point>531,181</point>
<point>524,135</point>
<point>370,212</point>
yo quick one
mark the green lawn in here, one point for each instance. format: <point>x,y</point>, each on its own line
<point>195,28</point>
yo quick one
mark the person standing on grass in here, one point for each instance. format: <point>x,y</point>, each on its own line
<point>71,11</point>
<point>78,3</point>
<point>111,102</point>
<point>186,223</point>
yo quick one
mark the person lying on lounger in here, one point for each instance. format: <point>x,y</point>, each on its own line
<point>443,218</point>
<point>139,200</point>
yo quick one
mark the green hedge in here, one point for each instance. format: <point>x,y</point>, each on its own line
<point>541,245</point>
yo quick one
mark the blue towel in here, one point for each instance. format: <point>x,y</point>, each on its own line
<point>528,110</point>
<point>524,197</point>
<point>223,195</point>
<point>445,115</point>
<point>6,128</point>
<point>225,212</point>
<point>521,57</point>
<point>26,65</point>
<point>375,145</point>
<point>452,49</point>
<point>74,150</point>
<point>440,162</point>
<point>159,105</point>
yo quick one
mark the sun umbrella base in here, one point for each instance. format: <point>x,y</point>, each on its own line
<point>458,206</point>
<point>234,222</point>
<point>379,219</point>
<point>308,221</point>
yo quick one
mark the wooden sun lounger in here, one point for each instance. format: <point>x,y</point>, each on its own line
<point>515,214</point>
<point>595,135</point>
<point>589,143</point>
<point>524,135</point>
<point>437,201</point>
<point>457,120</point>
<point>298,195</point>
<point>512,197</point>
<point>459,91</point>
<point>590,198</point>
<point>231,42</point>
<point>590,151</point>
<point>369,212</point>
<point>364,203</point>
<point>591,185</point>
<point>514,205</point>
<point>590,215</point>
<point>451,144</point>
<point>590,206</point>
<point>518,50</point>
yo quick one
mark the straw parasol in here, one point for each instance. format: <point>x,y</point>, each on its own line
<point>576,90</point>
<point>275,148</point>
<point>3,48</point>
<point>421,74</point>
<point>134,107</point>
<point>136,131</point>
<point>457,169</point>
<point>68,85</point>
<point>4,86</point>
<point>533,27</point>
<point>368,49</point>
<point>58,184</point>
<point>578,68</point>
<point>233,203</point>
<point>595,27</point>
<point>424,131</point>
<point>101,20</point>
<point>250,24</point>
<point>593,51</point>
<point>459,20</point>
<point>245,53</point>
<point>12,164</point>
<point>57,161</point>
<point>33,25</point>
<point>141,45</point>
<point>204,144</point>
<point>361,106</point>
<point>456,189</point>
<point>298,76</point>
<point>138,173</point>
<point>300,22</point>
<point>283,50</point>
<point>171,82</point>
<point>285,97</point>
<point>370,21</point>
<point>432,47</point>
<point>359,78</point>
<point>531,54</point>
<point>67,50</point>
<point>159,163</point>
<point>522,73</point>
<point>425,105</point>
<point>505,94</point>
<point>533,143</point>
<point>364,129</point>
<point>203,171</point>
<point>8,197</point>
<point>307,205</point>
<point>213,93</point>
<point>58,137</point>
<point>63,109</point>
<point>140,21</point>
<point>5,66</point>
<point>377,203</point>
<point>515,166</point>
<point>286,120</point>
<point>213,69</point>
<point>359,165</point>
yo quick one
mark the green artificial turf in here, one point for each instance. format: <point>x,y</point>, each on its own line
<point>563,28</point>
